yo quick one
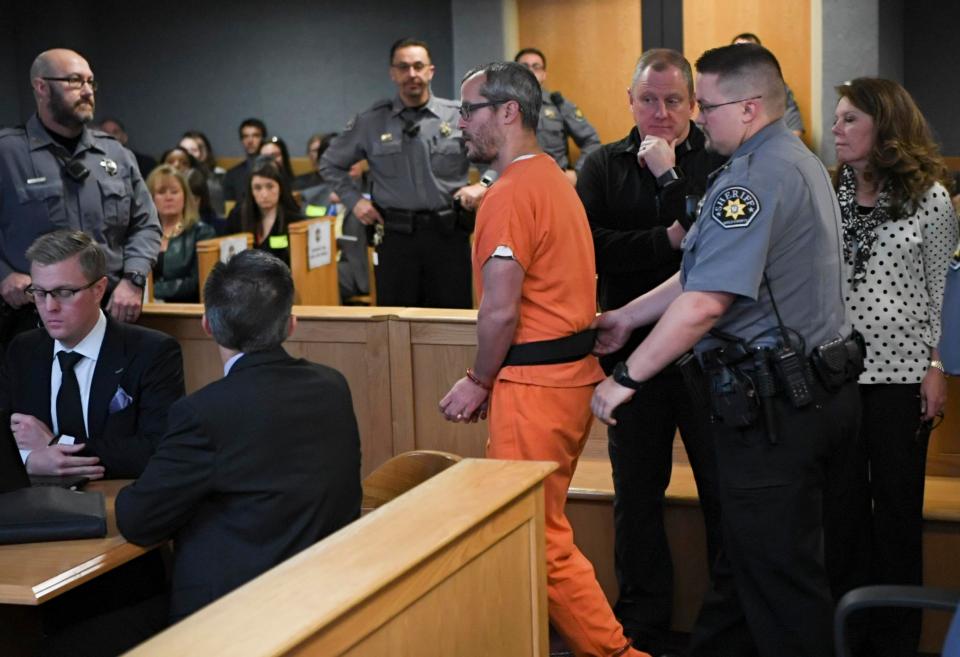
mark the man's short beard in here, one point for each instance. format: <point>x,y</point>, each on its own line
<point>65,115</point>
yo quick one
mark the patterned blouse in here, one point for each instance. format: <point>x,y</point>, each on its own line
<point>897,304</point>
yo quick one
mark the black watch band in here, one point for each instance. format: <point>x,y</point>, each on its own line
<point>136,278</point>
<point>670,176</point>
<point>622,376</point>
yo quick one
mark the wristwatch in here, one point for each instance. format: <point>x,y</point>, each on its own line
<point>136,278</point>
<point>938,364</point>
<point>622,376</point>
<point>670,176</point>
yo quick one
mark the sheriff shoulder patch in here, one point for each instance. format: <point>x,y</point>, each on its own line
<point>735,207</point>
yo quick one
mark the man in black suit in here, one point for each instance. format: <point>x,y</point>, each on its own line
<point>88,394</point>
<point>256,466</point>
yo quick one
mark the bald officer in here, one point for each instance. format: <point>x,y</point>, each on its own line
<point>761,267</point>
<point>559,119</point>
<point>56,173</point>
<point>418,167</point>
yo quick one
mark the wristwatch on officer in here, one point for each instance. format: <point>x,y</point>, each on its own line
<point>136,278</point>
<point>622,376</point>
<point>670,176</point>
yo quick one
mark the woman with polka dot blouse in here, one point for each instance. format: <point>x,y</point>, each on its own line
<point>899,229</point>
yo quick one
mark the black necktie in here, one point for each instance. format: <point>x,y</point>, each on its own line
<point>69,406</point>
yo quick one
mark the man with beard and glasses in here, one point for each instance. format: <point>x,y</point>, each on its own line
<point>418,169</point>
<point>533,264</point>
<point>56,173</point>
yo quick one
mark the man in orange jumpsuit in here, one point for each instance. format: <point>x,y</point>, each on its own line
<point>534,375</point>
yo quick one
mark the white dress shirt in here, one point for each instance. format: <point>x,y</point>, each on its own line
<point>89,347</point>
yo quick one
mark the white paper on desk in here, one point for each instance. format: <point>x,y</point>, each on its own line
<point>231,246</point>
<point>318,245</point>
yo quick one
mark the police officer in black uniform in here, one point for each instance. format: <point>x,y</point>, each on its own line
<point>56,173</point>
<point>418,169</point>
<point>559,119</point>
<point>759,298</point>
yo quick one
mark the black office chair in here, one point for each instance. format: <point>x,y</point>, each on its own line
<point>916,597</point>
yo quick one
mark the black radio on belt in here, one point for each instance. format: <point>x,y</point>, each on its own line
<point>839,360</point>
<point>792,374</point>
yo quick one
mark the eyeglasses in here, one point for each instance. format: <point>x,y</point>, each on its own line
<point>535,67</point>
<point>706,108</point>
<point>466,109</point>
<point>61,293</point>
<point>75,82</point>
<point>403,67</point>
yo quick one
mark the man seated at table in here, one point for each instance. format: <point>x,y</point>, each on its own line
<point>88,395</point>
<point>256,466</point>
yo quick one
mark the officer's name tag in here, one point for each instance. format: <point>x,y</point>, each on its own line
<point>36,181</point>
<point>279,242</point>
<point>735,207</point>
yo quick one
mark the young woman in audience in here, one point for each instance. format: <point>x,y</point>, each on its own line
<point>267,210</point>
<point>898,231</point>
<point>276,149</point>
<point>175,276</point>
<point>197,144</point>
<point>179,159</point>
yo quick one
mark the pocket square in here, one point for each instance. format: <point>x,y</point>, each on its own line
<point>121,399</point>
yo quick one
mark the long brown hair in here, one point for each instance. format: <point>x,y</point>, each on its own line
<point>287,208</point>
<point>904,152</point>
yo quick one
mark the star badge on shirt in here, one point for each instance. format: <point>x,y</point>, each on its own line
<point>109,166</point>
<point>735,207</point>
<point>445,129</point>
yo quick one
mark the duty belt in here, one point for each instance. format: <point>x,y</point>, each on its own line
<point>550,352</point>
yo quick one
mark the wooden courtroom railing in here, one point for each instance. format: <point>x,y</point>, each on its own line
<point>455,566</point>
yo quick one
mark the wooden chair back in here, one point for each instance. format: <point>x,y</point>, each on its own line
<point>401,473</point>
<point>208,254</point>
<point>318,286</point>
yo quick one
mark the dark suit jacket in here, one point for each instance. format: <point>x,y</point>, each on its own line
<point>254,468</point>
<point>235,181</point>
<point>145,363</point>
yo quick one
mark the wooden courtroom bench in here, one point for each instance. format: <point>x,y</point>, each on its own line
<point>455,566</point>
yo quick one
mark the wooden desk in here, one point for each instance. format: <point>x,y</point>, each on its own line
<point>32,573</point>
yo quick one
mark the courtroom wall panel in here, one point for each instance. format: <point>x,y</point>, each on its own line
<point>591,49</point>
<point>784,28</point>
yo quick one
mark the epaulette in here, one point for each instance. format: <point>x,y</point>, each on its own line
<point>102,135</point>
<point>448,102</point>
<point>13,131</point>
<point>380,104</point>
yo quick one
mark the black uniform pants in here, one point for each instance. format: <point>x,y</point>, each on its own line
<point>770,594</point>
<point>892,514</point>
<point>428,268</point>
<point>641,453</point>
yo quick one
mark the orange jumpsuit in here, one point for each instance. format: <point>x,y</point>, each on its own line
<point>542,412</point>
